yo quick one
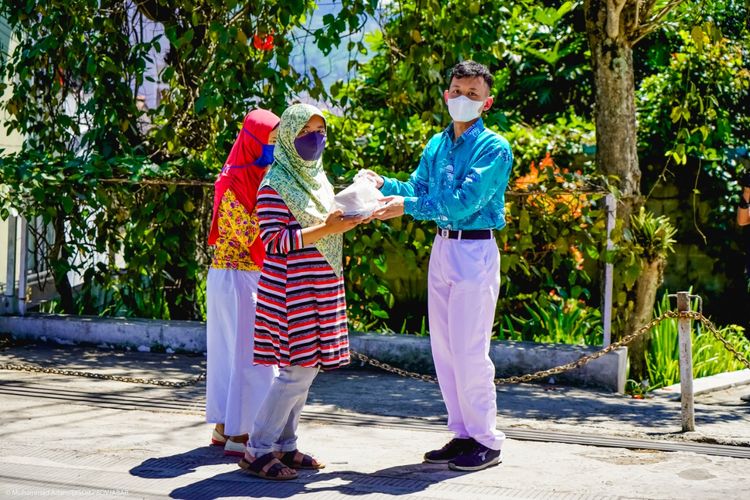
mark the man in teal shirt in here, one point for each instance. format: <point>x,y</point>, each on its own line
<point>460,184</point>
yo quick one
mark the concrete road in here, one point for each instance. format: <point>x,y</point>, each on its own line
<point>69,437</point>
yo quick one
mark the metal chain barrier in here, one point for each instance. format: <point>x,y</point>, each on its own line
<point>693,315</point>
<point>712,328</point>
<point>5,342</point>
<point>102,376</point>
<point>580,361</point>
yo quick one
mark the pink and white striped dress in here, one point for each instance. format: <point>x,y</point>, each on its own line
<point>301,313</point>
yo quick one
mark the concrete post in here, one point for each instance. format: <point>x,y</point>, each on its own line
<point>608,272</point>
<point>686,364</point>
<point>9,300</point>
<point>22,272</point>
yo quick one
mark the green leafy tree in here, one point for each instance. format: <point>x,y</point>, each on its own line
<point>396,104</point>
<point>112,178</point>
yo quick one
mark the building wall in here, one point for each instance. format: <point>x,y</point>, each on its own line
<point>8,143</point>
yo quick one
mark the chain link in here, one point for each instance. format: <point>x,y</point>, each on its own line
<point>390,368</point>
<point>693,315</point>
<point>24,367</point>
<point>712,328</point>
<point>580,361</point>
<point>5,342</point>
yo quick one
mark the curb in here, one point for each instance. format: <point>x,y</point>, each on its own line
<point>408,352</point>
<point>705,385</point>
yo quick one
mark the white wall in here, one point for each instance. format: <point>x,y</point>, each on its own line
<point>10,143</point>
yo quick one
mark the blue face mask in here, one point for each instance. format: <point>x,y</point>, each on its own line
<point>266,157</point>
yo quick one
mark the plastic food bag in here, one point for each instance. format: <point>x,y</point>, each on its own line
<point>359,199</point>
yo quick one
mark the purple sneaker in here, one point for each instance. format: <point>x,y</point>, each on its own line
<point>455,448</point>
<point>477,458</point>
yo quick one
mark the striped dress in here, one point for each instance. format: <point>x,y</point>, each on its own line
<point>301,314</point>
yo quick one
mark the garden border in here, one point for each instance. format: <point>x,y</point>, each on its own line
<point>407,351</point>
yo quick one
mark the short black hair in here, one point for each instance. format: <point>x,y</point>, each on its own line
<point>470,69</point>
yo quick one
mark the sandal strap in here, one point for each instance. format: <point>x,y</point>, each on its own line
<point>307,460</point>
<point>288,459</point>
<point>275,470</point>
<point>260,462</point>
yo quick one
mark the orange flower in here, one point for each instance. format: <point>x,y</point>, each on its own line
<point>577,256</point>
<point>547,161</point>
<point>531,178</point>
<point>549,203</point>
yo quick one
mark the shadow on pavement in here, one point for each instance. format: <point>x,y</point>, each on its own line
<point>398,480</point>
<point>182,463</point>
<point>355,389</point>
<point>404,397</point>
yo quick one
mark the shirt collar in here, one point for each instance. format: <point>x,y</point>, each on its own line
<point>469,135</point>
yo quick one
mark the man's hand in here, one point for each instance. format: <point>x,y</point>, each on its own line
<point>394,207</point>
<point>370,176</point>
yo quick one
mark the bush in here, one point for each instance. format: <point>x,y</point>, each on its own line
<point>710,357</point>
<point>554,319</point>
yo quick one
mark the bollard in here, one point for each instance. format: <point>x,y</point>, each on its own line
<point>686,363</point>
<point>8,305</point>
<point>608,273</point>
<point>22,275</point>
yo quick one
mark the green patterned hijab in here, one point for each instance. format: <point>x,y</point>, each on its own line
<point>303,184</point>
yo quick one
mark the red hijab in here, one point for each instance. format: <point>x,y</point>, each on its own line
<point>241,176</point>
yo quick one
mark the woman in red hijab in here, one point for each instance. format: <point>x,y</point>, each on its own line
<point>235,387</point>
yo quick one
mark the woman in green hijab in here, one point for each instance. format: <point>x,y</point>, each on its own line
<point>300,324</point>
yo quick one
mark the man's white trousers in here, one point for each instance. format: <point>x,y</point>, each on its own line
<point>463,288</point>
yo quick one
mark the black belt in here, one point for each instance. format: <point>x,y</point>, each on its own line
<point>471,234</point>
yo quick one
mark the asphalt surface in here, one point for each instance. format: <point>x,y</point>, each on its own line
<point>77,437</point>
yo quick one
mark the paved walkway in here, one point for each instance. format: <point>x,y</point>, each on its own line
<point>70,437</point>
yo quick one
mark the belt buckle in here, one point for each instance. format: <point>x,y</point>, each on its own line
<point>445,233</point>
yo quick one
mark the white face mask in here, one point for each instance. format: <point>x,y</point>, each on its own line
<point>463,109</point>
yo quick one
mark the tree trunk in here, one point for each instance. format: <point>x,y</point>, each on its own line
<point>59,261</point>
<point>614,113</point>
<point>645,296</point>
<point>616,148</point>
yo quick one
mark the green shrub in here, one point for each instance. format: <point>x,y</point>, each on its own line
<point>554,319</point>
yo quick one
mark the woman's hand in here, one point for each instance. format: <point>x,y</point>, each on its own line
<point>337,222</point>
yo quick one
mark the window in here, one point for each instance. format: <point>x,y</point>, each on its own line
<point>4,39</point>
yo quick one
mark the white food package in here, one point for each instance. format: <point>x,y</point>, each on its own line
<point>360,199</point>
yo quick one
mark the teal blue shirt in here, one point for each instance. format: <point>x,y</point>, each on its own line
<point>460,184</point>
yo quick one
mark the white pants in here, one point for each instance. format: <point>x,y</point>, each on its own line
<point>235,388</point>
<point>276,425</point>
<point>463,287</point>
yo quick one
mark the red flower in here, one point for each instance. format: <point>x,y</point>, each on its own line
<point>265,43</point>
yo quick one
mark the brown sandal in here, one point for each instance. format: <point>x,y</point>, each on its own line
<point>306,462</point>
<point>267,467</point>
